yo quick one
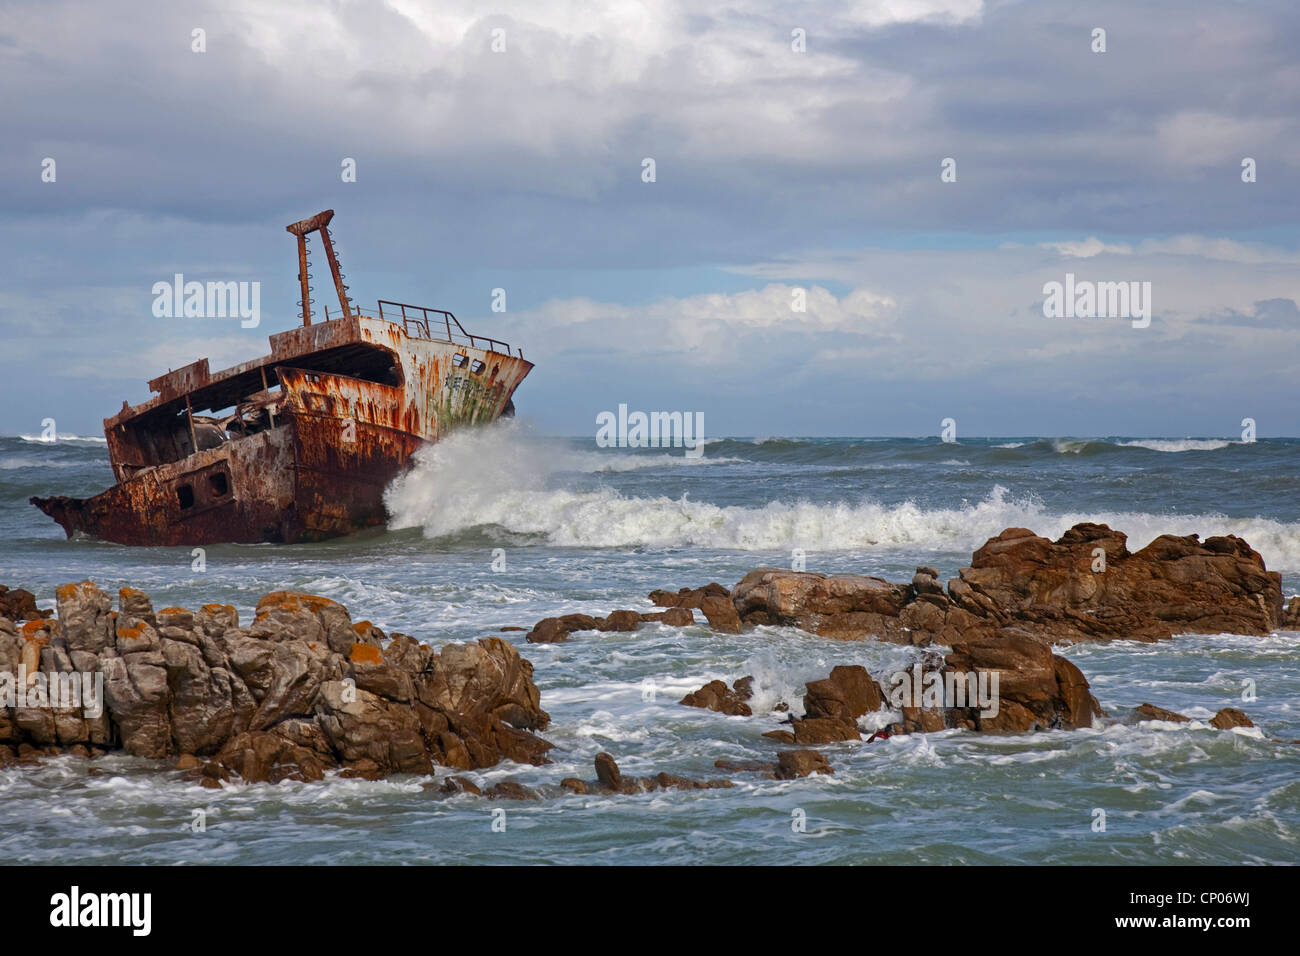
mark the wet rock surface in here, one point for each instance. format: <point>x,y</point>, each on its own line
<point>716,695</point>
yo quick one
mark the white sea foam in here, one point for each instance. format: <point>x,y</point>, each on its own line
<point>37,439</point>
<point>1180,444</point>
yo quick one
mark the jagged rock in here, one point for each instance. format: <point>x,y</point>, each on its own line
<point>621,621</point>
<point>746,766</point>
<point>137,697</point>
<point>460,785</point>
<point>85,617</point>
<point>265,757</point>
<point>607,771</point>
<point>364,726</point>
<point>926,581</point>
<point>553,630</point>
<point>1084,586</point>
<point>800,763</point>
<point>812,731</point>
<point>847,694</point>
<point>1230,717</point>
<point>488,676</point>
<point>673,617</point>
<point>688,597</point>
<point>721,614</point>
<point>1035,690</point>
<point>509,790</point>
<point>715,695</point>
<point>300,690</point>
<point>19,605</point>
<point>1152,712</point>
<point>1291,616</point>
<point>844,606</point>
<point>1088,586</point>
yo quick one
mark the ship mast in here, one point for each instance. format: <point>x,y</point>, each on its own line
<point>318,223</point>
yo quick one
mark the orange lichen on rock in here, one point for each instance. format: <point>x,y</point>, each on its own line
<point>69,592</point>
<point>365,654</point>
<point>33,628</point>
<point>294,601</point>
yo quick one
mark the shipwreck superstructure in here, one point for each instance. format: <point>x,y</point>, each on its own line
<point>297,445</point>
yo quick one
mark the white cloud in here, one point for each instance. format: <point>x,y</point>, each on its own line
<point>1087,248</point>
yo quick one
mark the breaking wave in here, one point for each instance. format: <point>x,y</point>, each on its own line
<point>1185,444</point>
<point>496,479</point>
<point>70,439</point>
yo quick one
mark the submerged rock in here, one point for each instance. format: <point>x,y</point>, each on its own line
<point>1152,712</point>
<point>554,630</point>
<point>610,780</point>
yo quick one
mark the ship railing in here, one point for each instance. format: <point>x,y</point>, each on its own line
<point>424,323</point>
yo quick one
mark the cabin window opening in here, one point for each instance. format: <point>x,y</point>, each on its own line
<point>218,484</point>
<point>459,360</point>
<point>477,367</point>
<point>185,495</point>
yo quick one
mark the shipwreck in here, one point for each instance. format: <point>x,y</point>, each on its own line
<point>297,445</point>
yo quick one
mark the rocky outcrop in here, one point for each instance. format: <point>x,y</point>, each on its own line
<point>1006,681</point>
<point>1230,717</point>
<point>1152,712</point>
<point>1291,614</point>
<point>800,763</point>
<point>1086,585</point>
<point>1226,719</point>
<point>554,630</point>
<point>688,597</point>
<point>300,690</point>
<point>847,694</point>
<point>837,605</point>
<point>716,695</point>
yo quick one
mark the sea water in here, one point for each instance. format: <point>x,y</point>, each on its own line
<point>502,527</point>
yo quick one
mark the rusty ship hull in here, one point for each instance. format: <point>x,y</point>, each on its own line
<point>307,437</point>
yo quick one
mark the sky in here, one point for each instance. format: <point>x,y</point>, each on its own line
<point>798,150</point>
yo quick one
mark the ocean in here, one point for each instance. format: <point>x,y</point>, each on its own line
<point>502,527</point>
